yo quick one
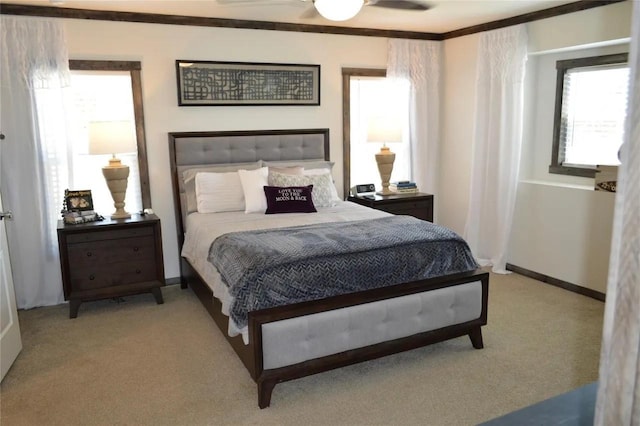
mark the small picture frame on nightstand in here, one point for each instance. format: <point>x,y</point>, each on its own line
<point>78,201</point>
<point>78,207</point>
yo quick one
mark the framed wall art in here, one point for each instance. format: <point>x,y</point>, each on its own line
<point>206,83</point>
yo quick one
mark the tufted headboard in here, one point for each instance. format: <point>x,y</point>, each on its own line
<point>198,149</point>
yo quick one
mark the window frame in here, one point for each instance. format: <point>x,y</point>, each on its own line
<point>134,68</point>
<point>562,67</point>
<point>347,73</point>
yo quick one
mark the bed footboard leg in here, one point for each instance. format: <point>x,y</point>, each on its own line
<point>265,388</point>
<point>476,338</point>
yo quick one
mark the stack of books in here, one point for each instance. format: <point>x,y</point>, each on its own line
<point>404,186</point>
<point>75,217</point>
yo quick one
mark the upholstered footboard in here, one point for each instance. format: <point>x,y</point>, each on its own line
<point>307,338</point>
<point>344,330</point>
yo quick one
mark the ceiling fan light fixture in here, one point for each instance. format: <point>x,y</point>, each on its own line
<point>338,10</point>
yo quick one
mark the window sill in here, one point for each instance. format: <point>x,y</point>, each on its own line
<point>558,184</point>
<point>573,171</point>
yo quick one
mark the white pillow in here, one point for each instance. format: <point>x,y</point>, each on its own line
<point>334,191</point>
<point>321,193</point>
<point>188,184</point>
<point>219,192</point>
<point>253,183</point>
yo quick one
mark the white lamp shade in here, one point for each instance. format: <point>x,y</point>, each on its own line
<point>338,10</point>
<point>111,137</point>
<point>384,130</point>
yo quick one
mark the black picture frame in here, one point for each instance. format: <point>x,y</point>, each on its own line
<point>78,201</point>
<point>213,83</point>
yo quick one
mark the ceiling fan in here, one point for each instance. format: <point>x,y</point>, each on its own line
<point>339,10</point>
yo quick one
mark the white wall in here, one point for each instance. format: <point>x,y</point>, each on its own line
<point>560,229</point>
<point>611,22</point>
<point>569,235</point>
<point>158,46</point>
<point>563,232</point>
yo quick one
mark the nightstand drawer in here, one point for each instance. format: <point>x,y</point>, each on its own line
<point>405,207</point>
<point>112,275</point>
<point>109,235</point>
<point>110,251</point>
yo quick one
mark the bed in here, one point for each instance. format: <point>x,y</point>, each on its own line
<point>279,341</point>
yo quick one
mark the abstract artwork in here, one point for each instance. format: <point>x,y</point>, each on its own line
<point>202,83</point>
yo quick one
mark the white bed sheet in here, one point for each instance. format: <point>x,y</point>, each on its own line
<point>202,229</point>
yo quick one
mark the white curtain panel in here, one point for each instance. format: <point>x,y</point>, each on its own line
<point>497,144</point>
<point>420,63</point>
<point>618,400</point>
<point>33,58</point>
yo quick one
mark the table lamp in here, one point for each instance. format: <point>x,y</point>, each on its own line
<point>384,130</point>
<point>114,137</point>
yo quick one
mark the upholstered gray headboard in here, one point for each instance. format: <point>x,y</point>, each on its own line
<point>198,149</point>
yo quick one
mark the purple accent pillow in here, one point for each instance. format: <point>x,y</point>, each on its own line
<point>289,199</point>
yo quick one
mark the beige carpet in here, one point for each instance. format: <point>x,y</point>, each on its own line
<point>138,363</point>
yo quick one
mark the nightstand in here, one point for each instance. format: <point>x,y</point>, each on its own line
<point>111,258</point>
<point>417,205</point>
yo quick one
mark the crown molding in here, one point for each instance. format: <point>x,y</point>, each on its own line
<point>529,17</point>
<point>154,18</point>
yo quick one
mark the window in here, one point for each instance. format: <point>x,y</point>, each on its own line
<point>100,96</point>
<point>591,103</point>
<point>369,95</point>
<point>108,90</point>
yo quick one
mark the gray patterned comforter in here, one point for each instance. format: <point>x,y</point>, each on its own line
<point>275,267</point>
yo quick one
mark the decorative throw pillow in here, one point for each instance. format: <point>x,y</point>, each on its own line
<point>334,191</point>
<point>252,183</point>
<point>292,199</point>
<point>218,192</point>
<point>322,194</point>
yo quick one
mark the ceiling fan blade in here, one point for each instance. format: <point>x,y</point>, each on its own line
<point>399,4</point>
<point>310,13</point>
<point>252,2</point>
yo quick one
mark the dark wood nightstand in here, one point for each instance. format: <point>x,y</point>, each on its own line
<point>417,205</point>
<point>111,258</point>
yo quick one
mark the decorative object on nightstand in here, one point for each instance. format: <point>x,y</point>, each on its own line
<point>78,207</point>
<point>404,187</point>
<point>114,137</point>
<point>110,259</point>
<point>362,188</point>
<point>384,129</point>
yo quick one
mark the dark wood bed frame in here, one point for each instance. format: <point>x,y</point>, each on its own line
<point>251,354</point>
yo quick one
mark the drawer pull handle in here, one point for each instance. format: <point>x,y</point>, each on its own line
<point>92,277</point>
<point>137,271</point>
<point>135,249</point>
<point>89,254</point>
